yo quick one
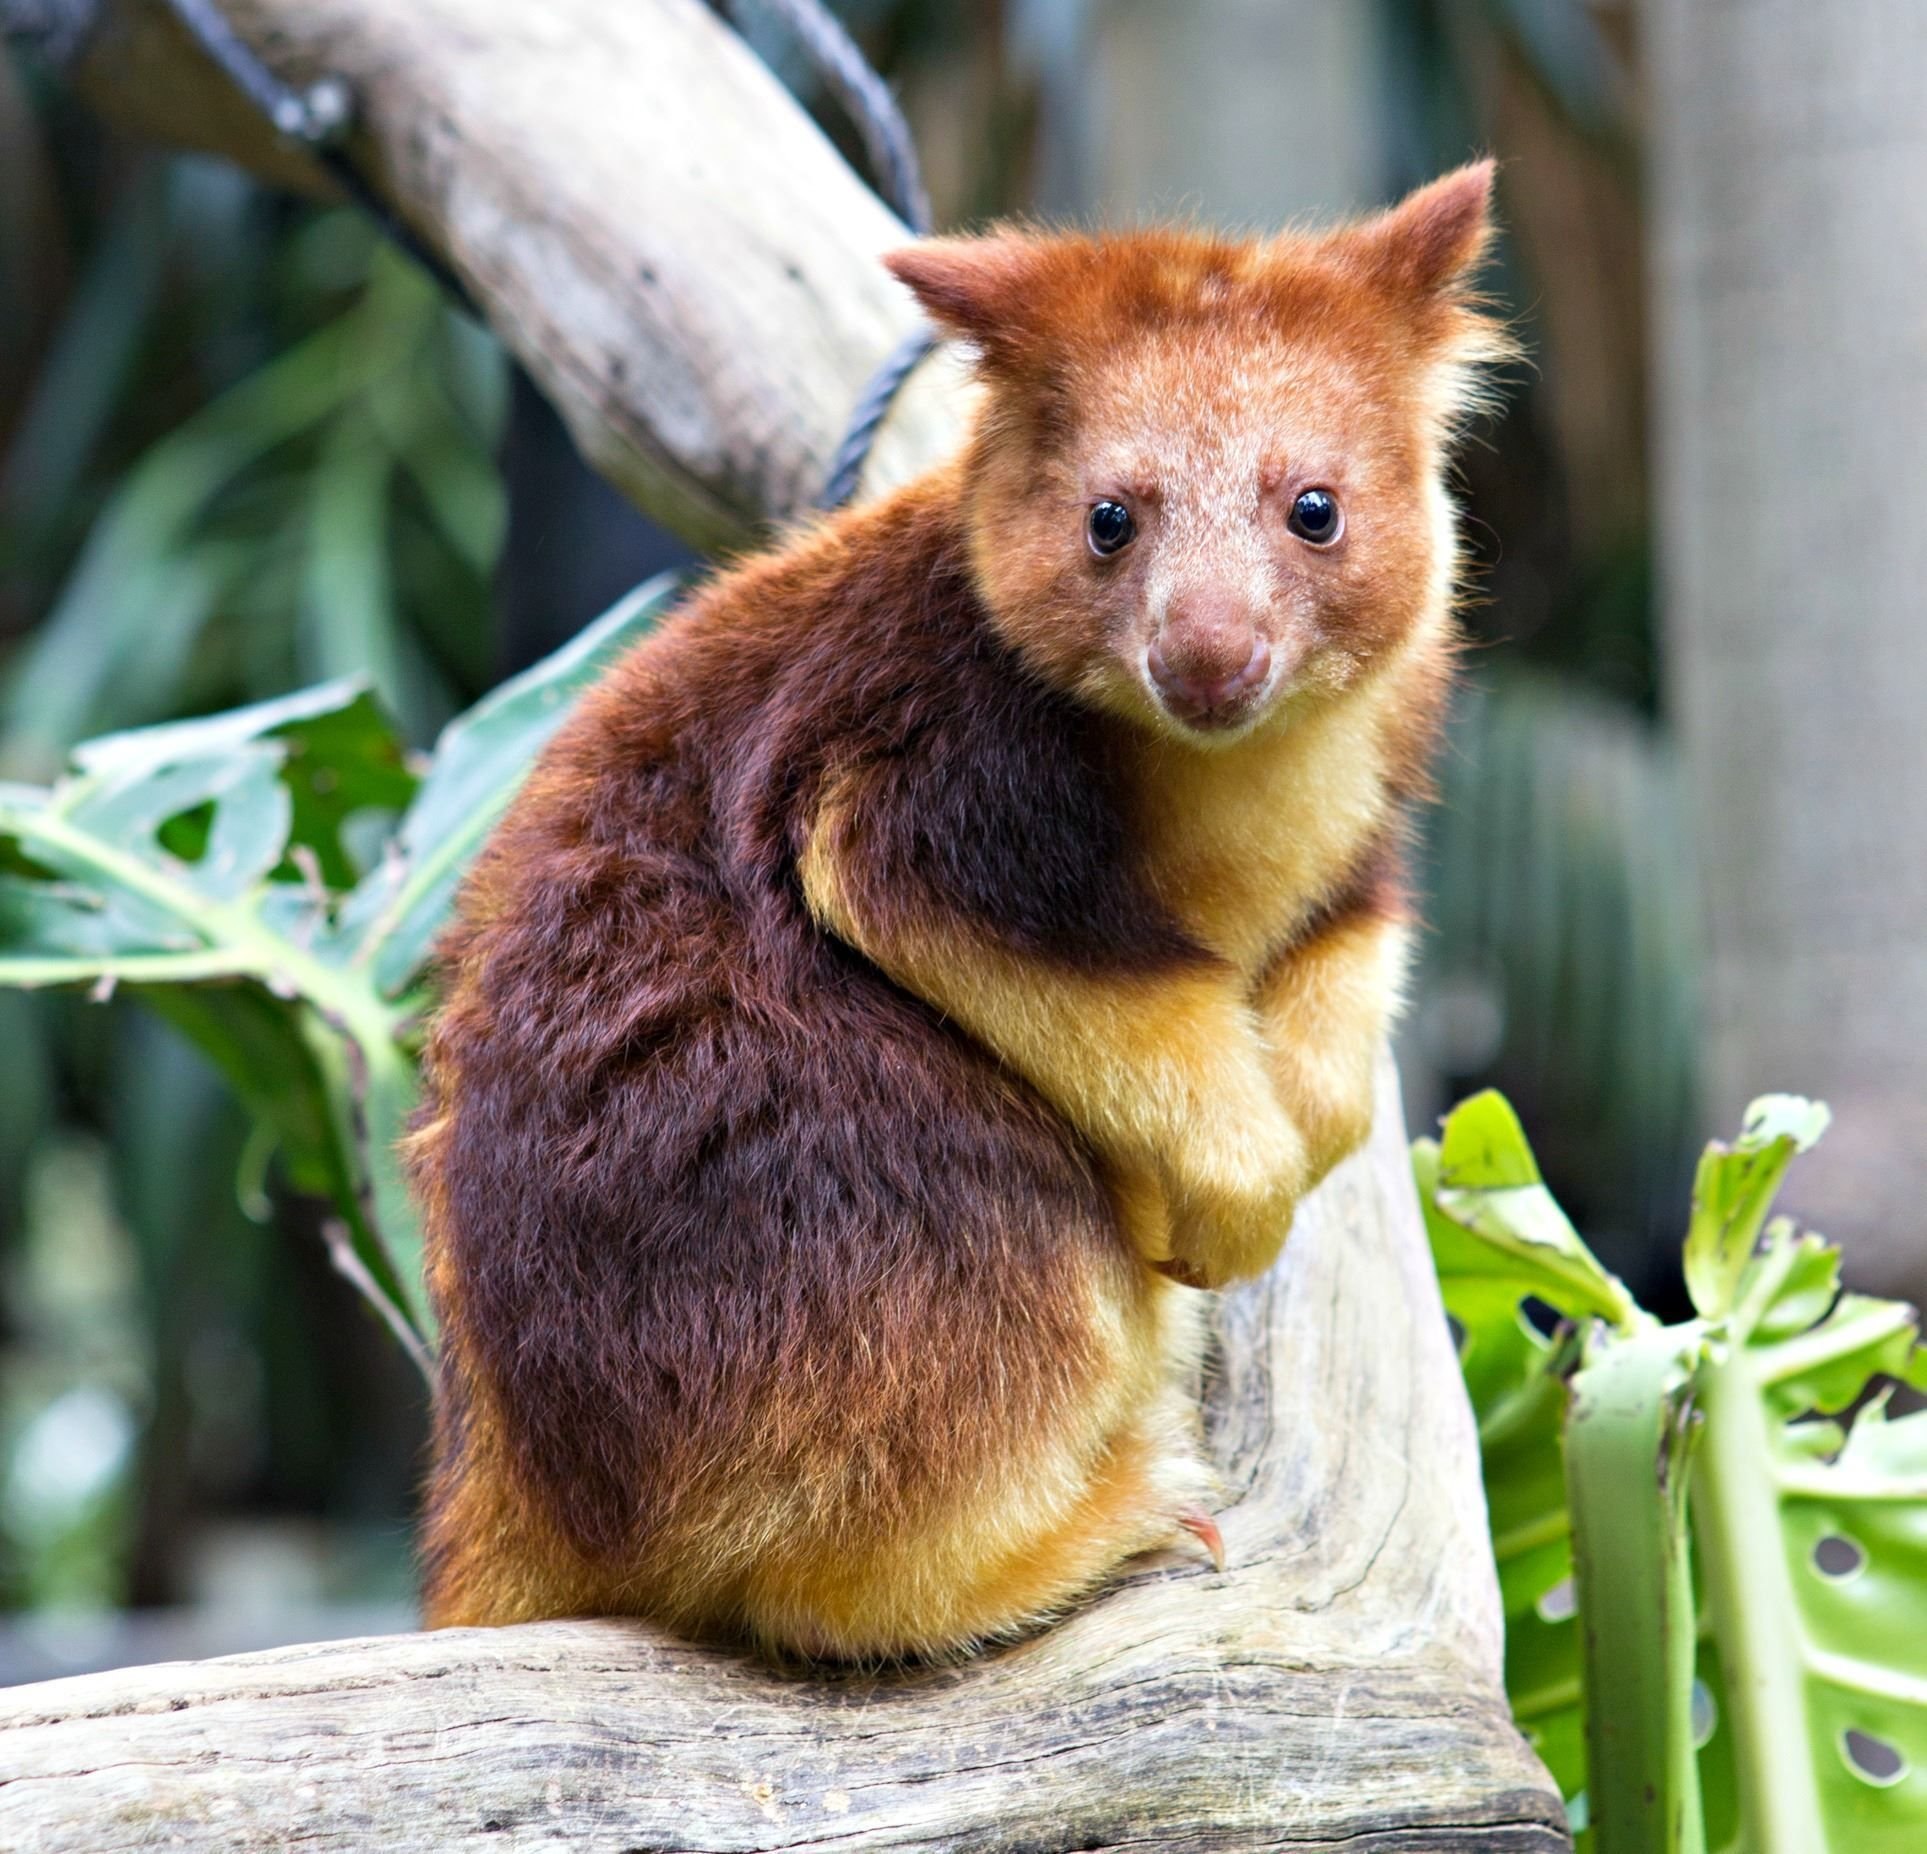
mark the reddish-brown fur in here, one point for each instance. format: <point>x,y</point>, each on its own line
<point>758,1272</point>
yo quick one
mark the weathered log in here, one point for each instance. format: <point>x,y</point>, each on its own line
<point>689,269</point>
<point>1337,1686</point>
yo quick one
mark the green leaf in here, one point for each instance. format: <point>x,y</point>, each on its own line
<point>60,919</point>
<point>479,765</point>
<point>1627,1449</point>
<point>248,814</point>
<point>1485,1148</point>
<point>1496,1222</point>
<point>1809,1536</point>
<point>1522,1460</point>
<point>153,863</point>
<point>1815,1570</point>
<point>142,748</point>
<point>340,759</point>
<point>1829,1366</point>
<point>1734,1190</point>
<point>1798,1289</point>
<point>223,850</point>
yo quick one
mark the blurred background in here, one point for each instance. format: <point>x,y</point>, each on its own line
<point>244,446</point>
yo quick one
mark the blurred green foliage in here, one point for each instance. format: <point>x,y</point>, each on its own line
<point>242,447</point>
<point>336,511</point>
<point>72,1415</point>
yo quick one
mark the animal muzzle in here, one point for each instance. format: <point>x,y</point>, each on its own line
<point>1204,679</point>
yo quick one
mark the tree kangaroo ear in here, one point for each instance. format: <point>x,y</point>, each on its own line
<point>1431,242</point>
<point>984,289</point>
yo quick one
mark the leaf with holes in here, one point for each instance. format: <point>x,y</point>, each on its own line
<point>1813,1553</point>
<point>1808,1534</point>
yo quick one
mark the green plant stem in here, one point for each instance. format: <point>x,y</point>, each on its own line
<point>254,951</point>
<point>1625,1449</point>
<point>244,947</point>
<point>1538,1702</point>
<point>1542,1531</point>
<point>129,969</point>
<point>1755,1611</point>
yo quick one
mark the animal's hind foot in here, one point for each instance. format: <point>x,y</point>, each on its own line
<point>1202,1527</point>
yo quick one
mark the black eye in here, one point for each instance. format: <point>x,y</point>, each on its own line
<point>1314,516</point>
<point>1110,528</point>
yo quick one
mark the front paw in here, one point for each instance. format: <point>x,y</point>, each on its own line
<point>1231,1226</point>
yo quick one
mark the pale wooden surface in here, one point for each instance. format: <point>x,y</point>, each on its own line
<point>689,269</point>
<point>1337,1687</point>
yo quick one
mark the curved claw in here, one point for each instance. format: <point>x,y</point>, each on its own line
<point>1196,1521</point>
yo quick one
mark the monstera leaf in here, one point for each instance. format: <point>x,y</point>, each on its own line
<point>1811,1541</point>
<point>1733,1191</point>
<point>272,880</point>
<point>1715,1594</point>
<point>1500,1242</point>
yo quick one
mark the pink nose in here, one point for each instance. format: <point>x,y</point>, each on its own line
<point>1201,693</point>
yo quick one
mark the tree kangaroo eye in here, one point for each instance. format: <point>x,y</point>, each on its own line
<point>1110,528</point>
<point>1315,517</point>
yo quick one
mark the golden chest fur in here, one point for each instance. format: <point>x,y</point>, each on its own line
<point>1245,844</point>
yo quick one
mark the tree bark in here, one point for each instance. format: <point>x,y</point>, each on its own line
<point>674,251</point>
<point>1789,203</point>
